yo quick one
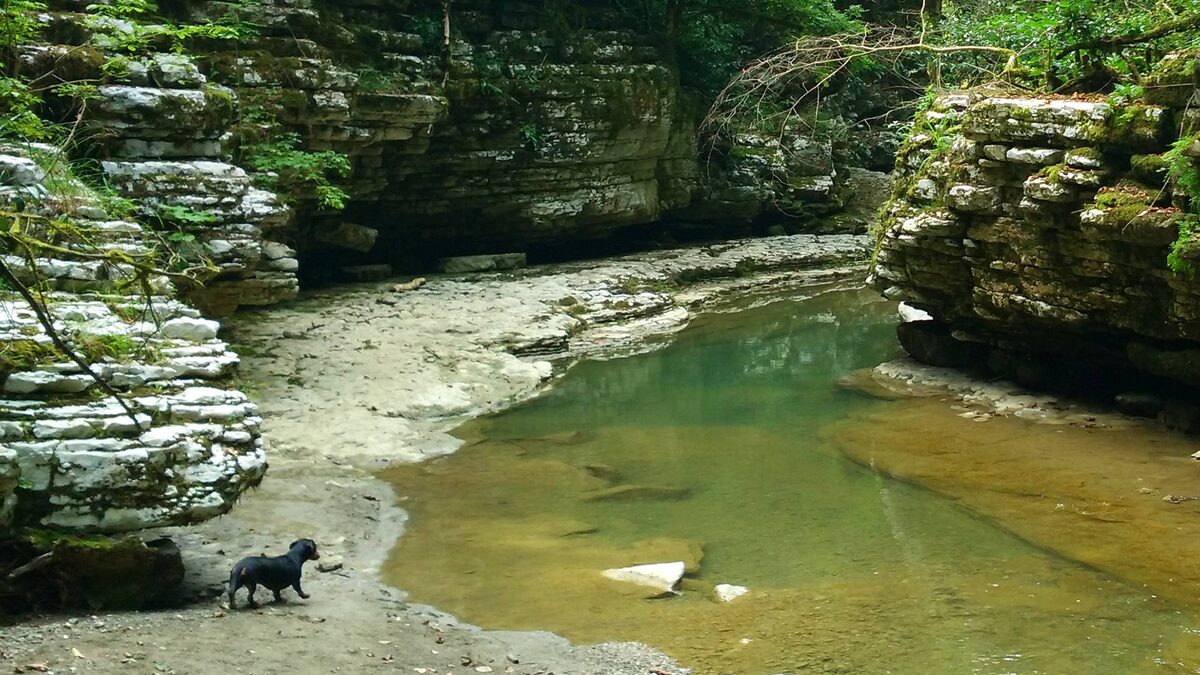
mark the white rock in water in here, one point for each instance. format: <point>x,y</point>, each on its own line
<point>729,592</point>
<point>662,576</point>
<point>909,314</point>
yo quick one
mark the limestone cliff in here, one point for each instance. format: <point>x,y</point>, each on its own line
<point>71,456</point>
<point>537,127</point>
<point>1037,232</point>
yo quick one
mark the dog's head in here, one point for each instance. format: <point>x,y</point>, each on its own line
<point>308,549</point>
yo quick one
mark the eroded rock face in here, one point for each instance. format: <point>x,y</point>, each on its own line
<point>520,135</point>
<point>71,456</point>
<point>1042,227</point>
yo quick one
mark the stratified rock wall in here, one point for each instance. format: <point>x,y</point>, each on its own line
<point>1041,227</point>
<point>71,456</point>
<point>534,126</point>
<point>516,137</point>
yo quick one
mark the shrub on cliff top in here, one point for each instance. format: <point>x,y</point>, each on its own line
<point>714,38</point>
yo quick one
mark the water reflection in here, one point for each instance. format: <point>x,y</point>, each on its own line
<point>721,370</point>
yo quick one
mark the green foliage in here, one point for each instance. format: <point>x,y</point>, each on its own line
<point>715,38</point>
<point>1182,171</point>
<point>429,28</point>
<point>530,135</point>
<point>121,26</point>
<point>1056,41</point>
<point>1124,93</point>
<point>184,216</point>
<point>18,25</point>
<point>373,80</point>
<point>97,347</point>
<point>1184,247</point>
<point>280,164</point>
<point>18,117</point>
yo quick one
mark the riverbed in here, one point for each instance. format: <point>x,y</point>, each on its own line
<point>735,450</point>
<point>355,379</point>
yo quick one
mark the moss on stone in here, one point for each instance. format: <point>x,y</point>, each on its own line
<point>25,354</point>
<point>1127,203</point>
<point>1150,168</point>
<point>1172,81</point>
<point>1134,126</point>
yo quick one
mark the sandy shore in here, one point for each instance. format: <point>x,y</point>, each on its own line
<point>356,378</point>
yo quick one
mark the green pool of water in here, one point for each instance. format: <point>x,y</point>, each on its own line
<point>711,451</point>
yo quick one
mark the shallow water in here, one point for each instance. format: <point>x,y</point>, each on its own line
<point>718,450</point>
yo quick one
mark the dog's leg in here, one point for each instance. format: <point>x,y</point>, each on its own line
<point>300,591</point>
<point>252,588</point>
<point>278,597</point>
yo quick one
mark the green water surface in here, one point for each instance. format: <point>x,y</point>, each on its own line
<point>849,571</point>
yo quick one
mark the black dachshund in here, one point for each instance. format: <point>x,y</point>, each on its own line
<point>275,573</point>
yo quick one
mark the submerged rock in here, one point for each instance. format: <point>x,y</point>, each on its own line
<point>664,577</point>
<point>636,492</point>
<point>729,592</point>
<point>603,472</point>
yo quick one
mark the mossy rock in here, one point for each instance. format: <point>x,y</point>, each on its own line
<point>55,570</point>
<point>1130,214</point>
<point>1173,80</point>
<point>1149,169</point>
<point>1181,365</point>
<point>1136,127</point>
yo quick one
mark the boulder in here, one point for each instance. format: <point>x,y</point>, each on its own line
<point>482,263</point>
<point>908,313</point>
<point>663,577</point>
<point>94,573</point>
<point>349,236</point>
<point>10,475</point>
<point>185,328</point>
<point>729,592</point>
<point>20,171</point>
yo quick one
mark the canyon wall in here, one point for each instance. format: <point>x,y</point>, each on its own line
<point>72,456</point>
<point>540,127</point>
<point>1050,238</point>
<point>536,127</point>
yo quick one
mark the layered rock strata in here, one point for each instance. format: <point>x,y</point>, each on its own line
<point>185,443</point>
<point>1036,232</point>
<point>530,130</point>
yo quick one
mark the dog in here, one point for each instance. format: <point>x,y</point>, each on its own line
<point>274,573</point>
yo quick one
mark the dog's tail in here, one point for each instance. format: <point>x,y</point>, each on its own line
<point>236,576</point>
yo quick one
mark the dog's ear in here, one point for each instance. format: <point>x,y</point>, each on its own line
<point>312,549</point>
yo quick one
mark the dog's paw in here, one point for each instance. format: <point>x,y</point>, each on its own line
<point>305,596</point>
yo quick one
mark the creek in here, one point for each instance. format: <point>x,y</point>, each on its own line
<point>734,449</point>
